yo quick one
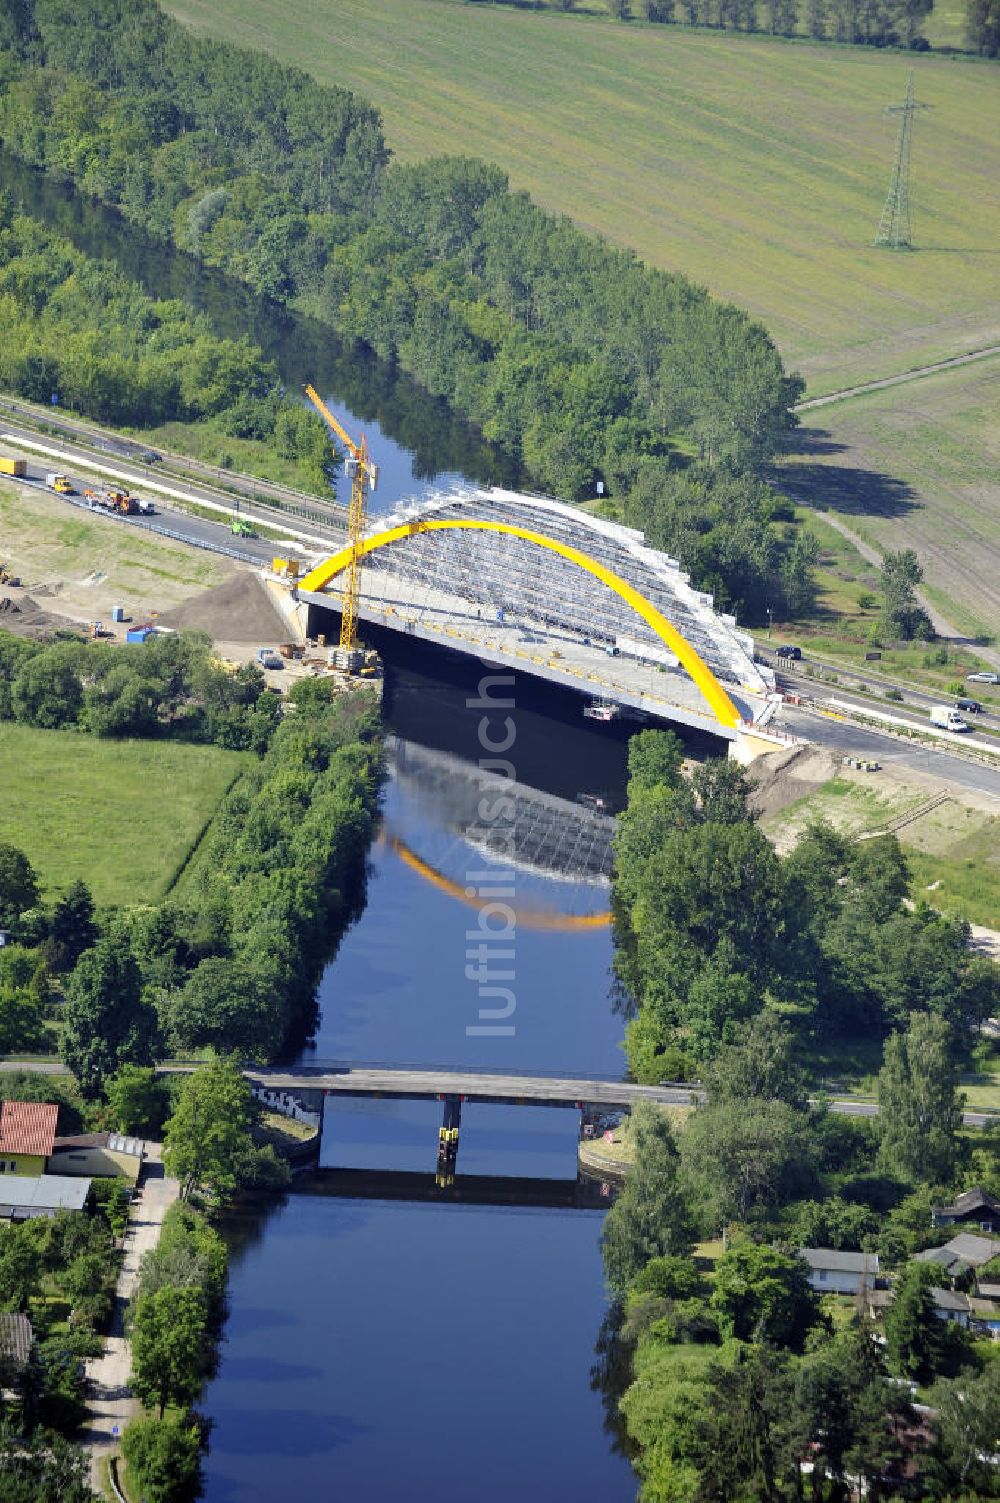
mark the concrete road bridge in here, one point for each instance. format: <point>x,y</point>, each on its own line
<point>547,589</point>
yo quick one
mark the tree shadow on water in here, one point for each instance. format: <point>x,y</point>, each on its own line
<point>849,489</point>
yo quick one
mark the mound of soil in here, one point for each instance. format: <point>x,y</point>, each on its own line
<point>785,776</point>
<point>239,610</point>
<point>26,618</point>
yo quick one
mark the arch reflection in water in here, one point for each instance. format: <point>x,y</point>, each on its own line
<point>545,837</point>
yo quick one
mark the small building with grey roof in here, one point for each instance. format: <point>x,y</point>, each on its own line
<point>834,1272</point>
<point>24,1196</point>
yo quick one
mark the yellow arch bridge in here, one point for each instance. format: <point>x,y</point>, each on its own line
<point>722,707</point>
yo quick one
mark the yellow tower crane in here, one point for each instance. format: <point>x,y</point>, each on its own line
<point>363,475</point>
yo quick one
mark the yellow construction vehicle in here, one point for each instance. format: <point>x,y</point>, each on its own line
<point>363,475</point>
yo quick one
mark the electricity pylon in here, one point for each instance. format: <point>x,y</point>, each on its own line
<point>894,228</point>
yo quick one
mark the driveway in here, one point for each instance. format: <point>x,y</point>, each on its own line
<point>110,1403</point>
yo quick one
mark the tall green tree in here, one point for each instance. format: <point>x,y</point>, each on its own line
<point>20,1268</point>
<point>761,1294</point>
<point>966,1426</point>
<point>164,1458</point>
<point>107,1024</point>
<point>650,1217</point>
<point>920,1108</point>
<point>169,1346</point>
<point>912,1330</point>
<point>71,928</point>
<point>654,759</point>
<point>137,1100</point>
<point>902,615</point>
<point>18,885</point>
<point>207,1143</point>
<point>982,27</point>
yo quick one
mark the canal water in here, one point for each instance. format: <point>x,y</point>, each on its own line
<point>381,1349</point>
<point>378,1349</point>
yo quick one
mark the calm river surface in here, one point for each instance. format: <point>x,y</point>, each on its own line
<point>383,1350</point>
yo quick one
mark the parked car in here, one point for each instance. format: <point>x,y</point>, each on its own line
<point>786,650</point>
<point>970,706</point>
<point>982,678</point>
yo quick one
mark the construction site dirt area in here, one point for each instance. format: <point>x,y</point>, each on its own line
<point>950,836</point>
<point>74,566</point>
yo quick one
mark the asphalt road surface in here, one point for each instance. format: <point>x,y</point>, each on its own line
<point>856,741</point>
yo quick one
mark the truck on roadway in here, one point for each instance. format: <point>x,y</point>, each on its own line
<point>948,720</point>
<point>11,466</point>
<point>59,484</point>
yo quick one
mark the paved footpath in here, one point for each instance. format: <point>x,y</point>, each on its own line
<point>110,1403</point>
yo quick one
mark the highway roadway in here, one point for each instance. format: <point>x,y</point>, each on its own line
<point>313,538</point>
<point>914,705</point>
<point>844,737</point>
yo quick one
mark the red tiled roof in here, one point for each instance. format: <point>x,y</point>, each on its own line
<point>28,1127</point>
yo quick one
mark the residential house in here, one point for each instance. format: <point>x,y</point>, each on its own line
<point>963,1253</point>
<point>975,1208</point>
<point>833,1272</point>
<point>951,1306</point>
<point>977,1313</point>
<point>24,1196</point>
<point>98,1155</point>
<point>27,1133</point>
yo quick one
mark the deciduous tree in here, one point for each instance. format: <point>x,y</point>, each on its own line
<point>207,1143</point>
<point>651,1215</point>
<point>107,1024</point>
<point>920,1108</point>
<point>169,1346</point>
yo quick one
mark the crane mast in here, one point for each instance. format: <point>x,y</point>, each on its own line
<point>363,475</point>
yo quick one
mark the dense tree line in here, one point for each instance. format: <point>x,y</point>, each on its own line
<point>175,1321</point>
<point>982,27</point>
<point>582,363</point>
<point>871,23</point>
<point>714,927</point>
<point>171,686</point>
<point>77,328</point>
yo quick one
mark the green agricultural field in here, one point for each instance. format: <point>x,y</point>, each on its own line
<point>758,167</point>
<point>122,815</point>
<point>918,466</point>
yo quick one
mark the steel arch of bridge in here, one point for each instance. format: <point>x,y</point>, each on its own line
<point>697,669</point>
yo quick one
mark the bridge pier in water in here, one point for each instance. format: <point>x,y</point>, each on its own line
<point>448,1141</point>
